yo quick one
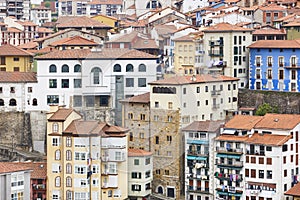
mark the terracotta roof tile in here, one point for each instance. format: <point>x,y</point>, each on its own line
<point>44,30</point>
<point>107,2</point>
<point>9,167</point>
<point>269,32</point>
<point>81,127</point>
<point>80,22</point>
<point>272,7</point>
<point>232,138</point>
<point>124,38</point>
<point>205,126</point>
<point>185,38</point>
<point>39,169</point>
<point>138,153</point>
<point>75,40</point>
<point>10,50</point>
<point>13,30</point>
<point>268,139</point>
<point>275,44</point>
<point>142,98</point>
<point>18,77</point>
<point>181,80</point>
<point>243,122</point>
<point>278,121</point>
<point>294,191</point>
<point>28,45</point>
<point>221,27</point>
<point>105,53</point>
<point>142,43</point>
<point>26,23</point>
<point>61,114</point>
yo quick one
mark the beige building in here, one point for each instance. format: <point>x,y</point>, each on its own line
<point>85,158</point>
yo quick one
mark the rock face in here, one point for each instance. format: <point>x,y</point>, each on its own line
<point>286,102</point>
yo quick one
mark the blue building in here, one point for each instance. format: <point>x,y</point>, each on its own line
<point>274,65</point>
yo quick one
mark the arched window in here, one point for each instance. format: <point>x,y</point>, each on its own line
<point>34,102</point>
<point>96,75</point>
<point>160,190</point>
<point>12,102</point>
<point>65,68</point>
<point>69,181</point>
<point>77,68</point>
<point>55,128</point>
<point>57,181</point>
<point>69,195</point>
<point>57,155</point>
<point>68,155</point>
<point>52,68</point>
<point>1,102</point>
<point>69,168</point>
<point>142,68</point>
<point>129,68</point>
<point>117,68</point>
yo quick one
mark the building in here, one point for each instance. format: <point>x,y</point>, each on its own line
<point>277,71</point>
<point>39,15</point>
<point>294,192</point>
<point>14,59</point>
<point>140,174</point>
<point>14,181</point>
<point>227,52</point>
<point>85,158</point>
<point>18,9</point>
<point>199,158</point>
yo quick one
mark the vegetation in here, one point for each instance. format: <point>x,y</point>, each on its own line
<point>266,108</point>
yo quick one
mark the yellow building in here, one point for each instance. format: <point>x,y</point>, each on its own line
<point>85,158</point>
<point>107,20</point>
<point>15,59</point>
<point>184,58</point>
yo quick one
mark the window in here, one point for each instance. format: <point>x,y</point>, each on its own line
<point>142,82</point>
<point>57,155</point>
<point>52,83</point>
<point>52,68</point>
<point>16,69</point>
<point>55,141</point>
<point>129,82</point>
<point>147,161</point>
<point>281,74</point>
<point>269,174</point>
<point>77,68</point>
<point>198,89</point>
<point>12,89</point>
<point>270,61</point>
<point>1,102</point>
<point>143,117</point>
<point>29,89</point>
<point>258,61</point>
<point>77,83</point>
<point>156,104</point>
<point>136,175</point>
<point>284,148</point>
<point>269,73</point>
<point>69,168</point>
<point>52,99</point>
<point>117,68</point>
<point>3,69</point>
<point>129,68</point>
<point>80,170</point>
<point>96,75</point>
<point>261,173</point>
<point>68,155</point>
<point>69,181</point>
<point>280,61</point>
<point>170,105</point>
<point>156,139</point>
<point>136,187</point>
<point>206,88</point>
<point>169,138</point>
<point>65,83</point>
<point>12,102</point>
<point>253,173</point>
<point>136,162</point>
<point>65,68</point>
<point>142,68</point>
<point>57,181</point>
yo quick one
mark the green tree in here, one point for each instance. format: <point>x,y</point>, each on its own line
<point>266,108</point>
<point>47,4</point>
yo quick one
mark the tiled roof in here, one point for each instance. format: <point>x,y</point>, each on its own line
<point>40,8</point>
<point>81,127</point>
<point>181,80</point>
<point>269,32</point>
<point>53,35</point>
<point>105,16</point>
<point>26,23</point>
<point>275,44</point>
<point>115,129</point>
<point>286,18</point>
<point>9,167</point>
<point>44,30</point>
<point>142,98</point>
<point>138,153</point>
<point>13,30</point>
<point>75,40</point>
<point>106,53</point>
<point>222,27</point>
<point>61,114</point>
<point>278,121</point>
<point>83,21</point>
<point>272,7</point>
<point>107,2</point>
<point>39,169</point>
<point>243,122</point>
<point>28,45</point>
<point>232,138</point>
<point>18,77</point>
<point>126,38</point>
<point>164,29</point>
<point>184,38</point>
<point>268,139</point>
<point>10,50</point>
<point>142,43</point>
<point>294,191</point>
<point>292,23</point>
<point>204,126</point>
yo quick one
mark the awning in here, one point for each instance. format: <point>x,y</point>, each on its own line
<point>229,131</point>
<point>189,141</point>
<point>223,155</point>
<point>196,158</point>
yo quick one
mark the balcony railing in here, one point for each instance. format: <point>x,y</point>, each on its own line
<point>198,176</point>
<point>216,53</point>
<point>213,43</point>
<point>198,189</point>
<point>215,106</point>
<point>229,150</point>
<point>290,65</point>
<point>215,92</point>
<point>39,186</point>
<point>232,177</point>
<point>230,163</point>
<point>198,153</point>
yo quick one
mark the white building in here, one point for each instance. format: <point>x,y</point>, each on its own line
<point>93,79</point>
<point>140,173</point>
<point>40,15</point>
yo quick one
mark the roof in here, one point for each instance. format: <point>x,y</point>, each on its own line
<point>106,53</point>
<point>142,43</point>
<point>243,122</point>
<point>272,7</point>
<point>75,40</point>
<point>39,169</point>
<point>10,50</point>
<point>61,114</point>
<point>205,126</point>
<point>164,29</point>
<point>294,191</point>
<point>232,138</point>
<point>269,32</point>
<point>276,44</point>
<point>29,45</point>
<point>184,38</point>
<point>142,98</point>
<point>106,2</point>
<point>44,30</point>
<point>138,153</point>
<point>9,167</point>
<point>268,139</point>
<point>278,121</point>
<point>225,27</point>
<point>18,77</point>
<point>203,78</point>
<point>80,22</point>
<point>13,29</point>
<point>124,38</point>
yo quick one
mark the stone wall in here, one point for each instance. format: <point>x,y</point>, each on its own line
<point>286,102</point>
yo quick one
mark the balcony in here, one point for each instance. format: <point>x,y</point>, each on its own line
<point>198,177</point>
<point>197,153</point>
<point>198,189</point>
<point>215,106</point>
<point>215,53</point>
<point>39,186</point>
<point>229,191</point>
<point>238,151</point>
<point>255,152</point>
<point>214,43</point>
<point>215,92</point>
<point>229,163</point>
<point>228,177</point>
<point>290,65</point>
<point>113,146</point>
